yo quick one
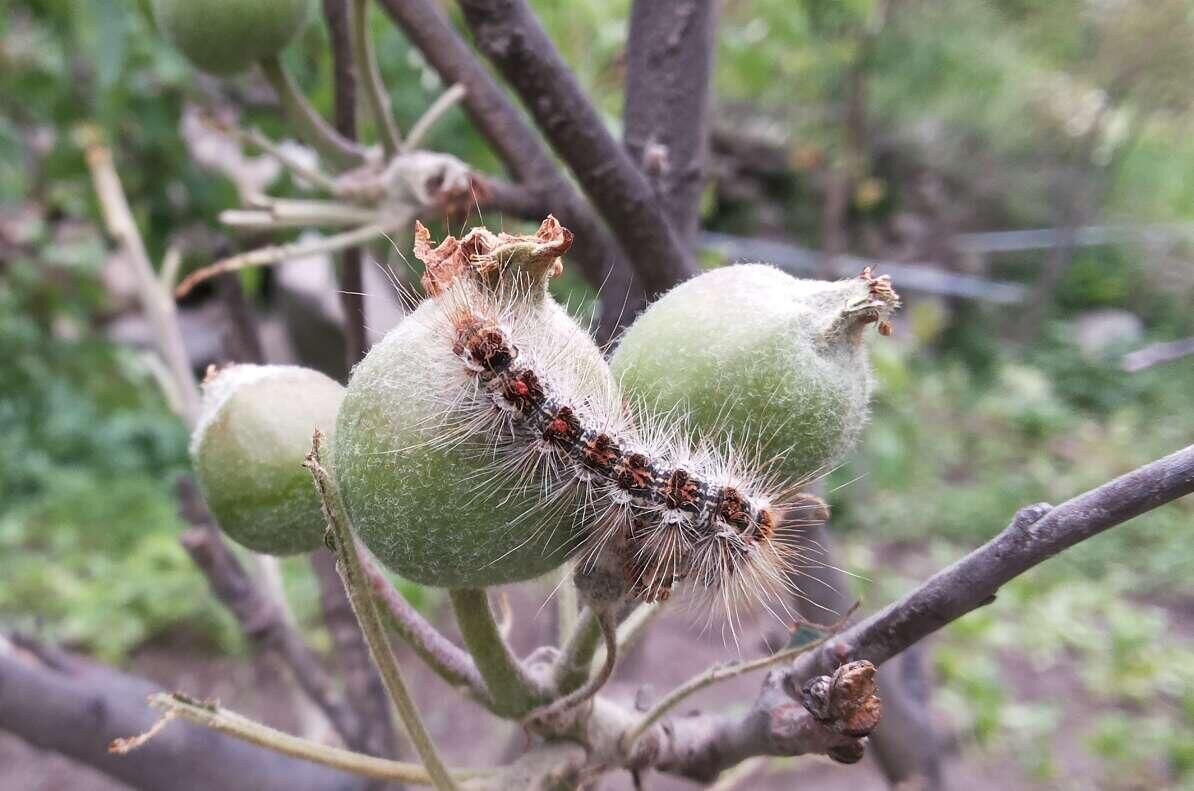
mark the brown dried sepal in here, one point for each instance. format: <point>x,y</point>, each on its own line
<point>847,702</point>
<point>485,255</point>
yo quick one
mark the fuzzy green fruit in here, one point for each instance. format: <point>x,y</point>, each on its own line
<point>773,363</point>
<point>248,450</point>
<point>227,36</point>
<point>429,507</point>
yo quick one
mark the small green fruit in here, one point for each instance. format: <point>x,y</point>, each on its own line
<point>432,509</point>
<point>248,450</point>
<point>774,363</point>
<point>227,36</point>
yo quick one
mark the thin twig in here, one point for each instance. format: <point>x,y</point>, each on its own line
<point>273,254</point>
<point>69,704</point>
<point>357,586</point>
<point>232,579</point>
<point>159,309</point>
<point>311,126</point>
<point>432,115</point>
<point>259,616</point>
<point>606,620</point>
<point>217,718</point>
<point>171,262</point>
<point>706,679</point>
<point>370,76</point>
<point>452,663</point>
<point>281,213</point>
<point>1157,354</point>
<point>511,689</point>
<point>732,778</point>
<point>257,139</point>
<point>631,629</point>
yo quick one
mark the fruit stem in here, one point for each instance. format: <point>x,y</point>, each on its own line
<point>576,656</point>
<point>311,126</point>
<point>511,689</point>
<point>370,75</point>
<point>356,584</point>
<point>607,623</point>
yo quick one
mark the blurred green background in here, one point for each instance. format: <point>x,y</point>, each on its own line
<point>946,117</point>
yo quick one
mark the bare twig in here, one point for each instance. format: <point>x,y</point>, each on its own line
<point>512,691</point>
<point>735,777</point>
<point>669,62</point>
<point>282,213</point>
<point>363,688</point>
<point>71,705</point>
<point>352,298</point>
<point>257,139</point>
<point>706,679</point>
<point>607,621</point>
<point>357,587</point>
<point>273,254</point>
<point>218,718</point>
<point>375,90</point>
<point>310,125</point>
<point>1036,534</point>
<point>452,663</point>
<point>171,263</point>
<point>1157,354</point>
<point>157,306</point>
<point>567,603</point>
<point>432,115</point>
<point>508,33</point>
<point>521,149</point>
<point>701,746</point>
<point>633,628</point>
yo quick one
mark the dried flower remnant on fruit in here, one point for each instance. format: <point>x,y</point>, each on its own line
<point>485,255</point>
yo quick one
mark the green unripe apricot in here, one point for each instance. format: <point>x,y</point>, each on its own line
<point>775,363</point>
<point>248,448</point>
<point>431,511</point>
<point>227,36</point>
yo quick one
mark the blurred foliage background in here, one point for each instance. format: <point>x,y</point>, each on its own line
<point>887,129</point>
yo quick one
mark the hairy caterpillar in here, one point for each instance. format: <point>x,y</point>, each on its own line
<point>513,391</point>
<point>676,512</point>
